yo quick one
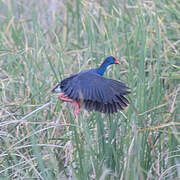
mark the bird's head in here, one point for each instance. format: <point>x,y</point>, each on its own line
<point>108,61</point>
<point>111,60</point>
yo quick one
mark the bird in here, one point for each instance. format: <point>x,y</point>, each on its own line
<point>94,91</point>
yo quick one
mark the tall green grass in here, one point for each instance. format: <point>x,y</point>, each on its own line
<point>42,42</point>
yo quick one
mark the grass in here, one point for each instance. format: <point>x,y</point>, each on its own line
<point>42,42</point>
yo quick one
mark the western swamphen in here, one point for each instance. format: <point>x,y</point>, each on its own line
<point>93,90</point>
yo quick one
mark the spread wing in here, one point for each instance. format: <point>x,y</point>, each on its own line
<point>97,93</point>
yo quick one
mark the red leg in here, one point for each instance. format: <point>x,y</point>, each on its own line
<point>65,98</point>
<point>76,104</point>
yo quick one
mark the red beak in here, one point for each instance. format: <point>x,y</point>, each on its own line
<point>116,61</point>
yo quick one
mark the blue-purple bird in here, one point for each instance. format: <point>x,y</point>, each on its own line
<point>96,92</point>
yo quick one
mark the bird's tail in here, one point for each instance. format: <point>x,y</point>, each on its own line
<point>57,89</point>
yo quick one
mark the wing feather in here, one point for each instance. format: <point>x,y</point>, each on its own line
<point>98,93</point>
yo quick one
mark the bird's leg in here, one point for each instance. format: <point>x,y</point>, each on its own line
<point>76,104</point>
<point>65,98</point>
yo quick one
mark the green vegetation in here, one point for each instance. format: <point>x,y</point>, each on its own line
<point>42,42</point>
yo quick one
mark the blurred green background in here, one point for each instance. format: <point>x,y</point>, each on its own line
<point>42,42</point>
